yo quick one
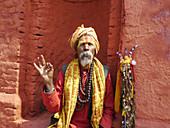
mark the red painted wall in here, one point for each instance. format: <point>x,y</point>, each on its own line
<point>31,28</point>
<point>10,40</point>
<point>147,23</point>
<point>48,26</point>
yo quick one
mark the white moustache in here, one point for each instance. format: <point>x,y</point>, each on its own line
<point>86,53</point>
<point>85,58</point>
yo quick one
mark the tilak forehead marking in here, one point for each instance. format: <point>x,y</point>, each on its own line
<point>86,39</point>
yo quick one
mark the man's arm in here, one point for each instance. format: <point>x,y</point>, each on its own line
<point>53,101</point>
<point>108,111</point>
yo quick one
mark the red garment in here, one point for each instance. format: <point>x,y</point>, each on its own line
<point>80,119</point>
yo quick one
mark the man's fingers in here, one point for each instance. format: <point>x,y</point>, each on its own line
<point>36,67</point>
<point>40,65</point>
<point>49,66</point>
<point>43,60</point>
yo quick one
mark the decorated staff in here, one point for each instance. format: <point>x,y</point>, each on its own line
<point>124,99</point>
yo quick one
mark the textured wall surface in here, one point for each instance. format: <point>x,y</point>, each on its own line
<point>10,40</point>
<point>147,23</point>
<point>113,46</point>
<point>31,28</point>
<point>48,26</point>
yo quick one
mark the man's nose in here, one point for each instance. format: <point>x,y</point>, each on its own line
<point>86,47</point>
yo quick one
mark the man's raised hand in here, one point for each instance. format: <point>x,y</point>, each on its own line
<point>46,71</point>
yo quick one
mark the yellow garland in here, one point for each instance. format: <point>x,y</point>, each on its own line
<point>117,92</point>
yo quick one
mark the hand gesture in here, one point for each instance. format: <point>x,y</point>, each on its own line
<point>46,71</point>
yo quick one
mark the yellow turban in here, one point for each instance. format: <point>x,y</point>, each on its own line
<point>84,31</point>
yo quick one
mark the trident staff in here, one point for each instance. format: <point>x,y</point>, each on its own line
<point>124,99</point>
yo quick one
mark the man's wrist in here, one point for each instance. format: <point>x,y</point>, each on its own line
<point>49,86</point>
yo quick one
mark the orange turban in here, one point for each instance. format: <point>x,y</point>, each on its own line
<point>84,31</point>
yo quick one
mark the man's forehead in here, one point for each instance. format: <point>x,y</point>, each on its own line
<point>86,39</point>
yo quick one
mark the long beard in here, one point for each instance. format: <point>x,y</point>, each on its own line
<point>86,58</point>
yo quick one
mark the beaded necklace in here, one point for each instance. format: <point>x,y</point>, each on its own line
<point>86,87</point>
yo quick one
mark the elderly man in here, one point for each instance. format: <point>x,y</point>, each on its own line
<point>83,95</point>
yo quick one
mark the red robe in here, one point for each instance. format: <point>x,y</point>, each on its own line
<point>80,119</point>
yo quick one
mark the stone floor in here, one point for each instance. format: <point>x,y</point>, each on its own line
<point>40,121</point>
<point>43,120</point>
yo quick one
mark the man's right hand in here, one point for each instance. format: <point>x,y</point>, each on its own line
<point>46,71</point>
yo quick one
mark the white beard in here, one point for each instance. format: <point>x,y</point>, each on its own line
<point>85,60</point>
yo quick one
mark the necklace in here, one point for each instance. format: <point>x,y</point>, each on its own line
<point>86,87</point>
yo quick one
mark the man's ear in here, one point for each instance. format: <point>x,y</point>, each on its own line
<point>95,52</point>
<point>75,46</point>
<point>76,55</point>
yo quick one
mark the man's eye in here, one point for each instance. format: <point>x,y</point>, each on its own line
<point>89,44</point>
<point>82,44</point>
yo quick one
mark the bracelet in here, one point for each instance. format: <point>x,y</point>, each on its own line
<point>49,92</point>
